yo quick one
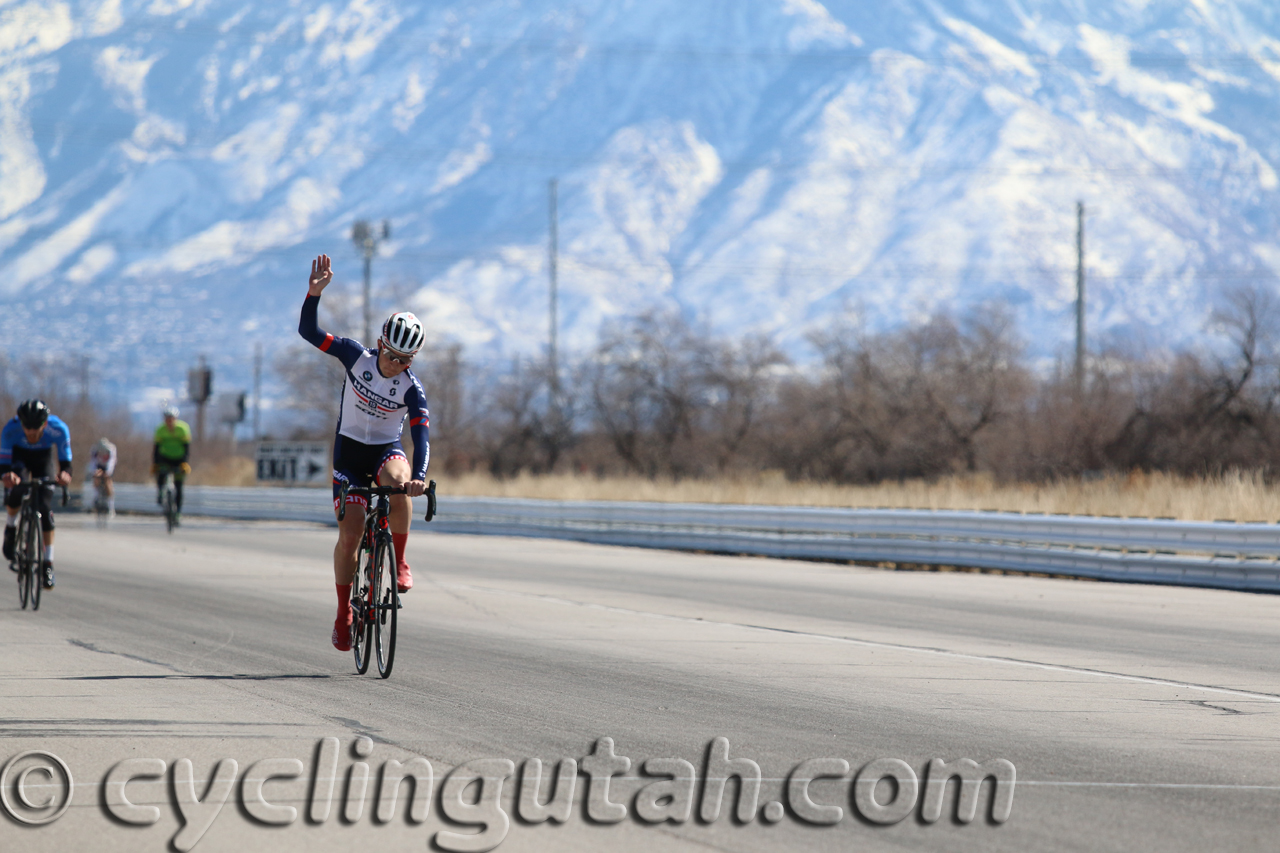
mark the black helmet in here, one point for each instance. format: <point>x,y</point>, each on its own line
<point>33,414</point>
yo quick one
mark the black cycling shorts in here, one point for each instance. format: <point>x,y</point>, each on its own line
<point>43,499</point>
<point>360,464</point>
<point>35,463</point>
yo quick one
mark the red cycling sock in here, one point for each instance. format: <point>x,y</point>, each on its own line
<point>399,540</point>
<point>344,598</point>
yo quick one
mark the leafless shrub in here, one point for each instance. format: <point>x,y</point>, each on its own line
<point>919,402</point>
<point>674,400</point>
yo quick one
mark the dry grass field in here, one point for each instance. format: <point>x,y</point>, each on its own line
<point>1235,496</point>
<point>1240,497</point>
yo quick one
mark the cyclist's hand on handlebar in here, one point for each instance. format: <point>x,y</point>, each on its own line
<point>10,480</point>
<point>186,468</point>
<point>414,488</point>
<point>63,478</point>
<point>154,469</point>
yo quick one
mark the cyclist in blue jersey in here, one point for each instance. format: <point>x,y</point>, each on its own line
<point>30,443</point>
<point>379,390</point>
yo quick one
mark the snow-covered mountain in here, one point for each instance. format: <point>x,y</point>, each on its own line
<point>169,167</point>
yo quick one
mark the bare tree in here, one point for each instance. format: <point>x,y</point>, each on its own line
<point>649,379</point>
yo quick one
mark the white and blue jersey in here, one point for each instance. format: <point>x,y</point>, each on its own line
<point>373,406</point>
<point>15,450</point>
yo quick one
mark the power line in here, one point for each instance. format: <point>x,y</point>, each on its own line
<point>444,44</point>
<point>562,159</point>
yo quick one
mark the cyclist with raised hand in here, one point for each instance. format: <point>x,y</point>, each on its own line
<point>102,462</point>
<point>30,442</point>
<point>379,390</point>
<point>170,453</point>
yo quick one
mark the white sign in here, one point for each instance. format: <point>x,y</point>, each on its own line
<point>303,462</point>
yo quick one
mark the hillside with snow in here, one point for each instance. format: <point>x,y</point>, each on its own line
<point>169,167</point>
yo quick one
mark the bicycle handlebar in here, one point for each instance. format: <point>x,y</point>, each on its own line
<point>373,491</point>
<point>48,482</point>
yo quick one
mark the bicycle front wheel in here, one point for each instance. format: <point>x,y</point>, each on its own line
<point>388,604</point>
<point>100,507</point>
<point>35,565</point>
<point>170,510</point>
<point>361,613</point>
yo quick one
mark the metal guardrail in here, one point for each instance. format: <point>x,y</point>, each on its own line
<point>1213,554</point>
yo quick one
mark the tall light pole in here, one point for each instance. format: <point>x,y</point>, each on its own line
<point>257,390</point>
<point>366,242</point>
<point>1079,296</point>
<point>553,249</point>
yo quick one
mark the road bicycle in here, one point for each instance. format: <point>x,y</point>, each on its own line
<point>101,505</point>
<point>169,499</point>
<point>375,602</point>
<point>28,543</point>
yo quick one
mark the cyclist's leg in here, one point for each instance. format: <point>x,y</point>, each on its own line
<point>396,471</point>
<point>350,529</point>
<point>12,503</point>
<point>179,477</point>
<point>162,471</point>
<point>44,501</point>
<point>350,465</point>
<point>109,485</point>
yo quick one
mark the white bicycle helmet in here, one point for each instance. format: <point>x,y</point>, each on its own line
<point>403,333</point>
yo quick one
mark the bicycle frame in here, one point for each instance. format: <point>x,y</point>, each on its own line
<point>374,598</point>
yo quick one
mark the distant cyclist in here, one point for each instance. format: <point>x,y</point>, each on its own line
<point>29,443</point>
<point>102,462</point>
<point>171,451</point>
<point>378,392</point>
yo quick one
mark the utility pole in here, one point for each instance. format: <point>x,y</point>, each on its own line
<point>257,390</point>
<point>366,242</point>
<point>1079,296</point>
<point>553,250</point>
<point>84,381</point>
<point>200,389</point>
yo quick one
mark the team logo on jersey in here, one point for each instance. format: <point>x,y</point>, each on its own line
<point>368,377</point>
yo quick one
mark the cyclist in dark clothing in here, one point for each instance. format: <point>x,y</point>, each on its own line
<point>30,443</point>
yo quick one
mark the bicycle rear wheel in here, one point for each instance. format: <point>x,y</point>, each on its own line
<point>387,602</point>
<point>361,613</point>
<point>20,559</point>
<point>35,565</point>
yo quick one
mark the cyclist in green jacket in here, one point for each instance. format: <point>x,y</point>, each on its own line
<point>172,447</point>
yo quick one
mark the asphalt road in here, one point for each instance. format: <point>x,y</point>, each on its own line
<point>1137,717</point>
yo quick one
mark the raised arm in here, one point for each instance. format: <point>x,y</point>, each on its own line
<point>344,349</point>
<point>308,323</point>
